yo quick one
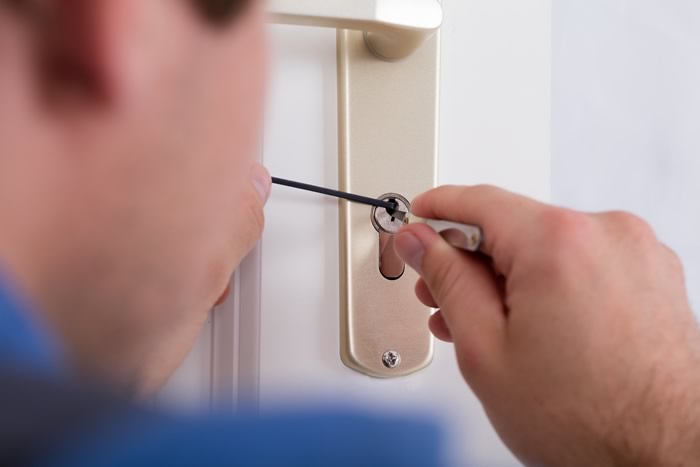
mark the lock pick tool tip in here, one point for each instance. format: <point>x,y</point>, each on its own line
<point>390,206</point>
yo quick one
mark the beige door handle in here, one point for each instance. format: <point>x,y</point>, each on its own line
<point>393,29</point>
<point>388,79</point>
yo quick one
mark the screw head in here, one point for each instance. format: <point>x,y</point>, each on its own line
<point>391,359</point>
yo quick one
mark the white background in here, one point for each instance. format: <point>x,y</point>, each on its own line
<point>626,115</point>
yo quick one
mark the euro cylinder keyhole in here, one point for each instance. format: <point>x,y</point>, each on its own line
<point>387,224</point>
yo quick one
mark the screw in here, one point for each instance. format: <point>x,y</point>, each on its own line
<point>391,359</point>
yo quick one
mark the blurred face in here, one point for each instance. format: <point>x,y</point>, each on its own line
<point>154,196</point>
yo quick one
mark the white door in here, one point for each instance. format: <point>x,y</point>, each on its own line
<point>276,340</point>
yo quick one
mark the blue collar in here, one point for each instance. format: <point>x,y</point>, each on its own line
<point>25,341</point>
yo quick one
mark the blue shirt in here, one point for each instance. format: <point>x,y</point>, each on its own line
<point>48,420</point>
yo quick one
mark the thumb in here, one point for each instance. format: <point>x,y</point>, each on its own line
<point>463,286</point>
<point>260,178</point>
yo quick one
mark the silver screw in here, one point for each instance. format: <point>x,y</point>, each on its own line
<point>391,359</point>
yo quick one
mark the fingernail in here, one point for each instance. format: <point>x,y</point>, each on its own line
<point>260,178</point>
<point>410,249</point>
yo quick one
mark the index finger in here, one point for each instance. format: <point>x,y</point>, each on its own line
<point>505,218</point>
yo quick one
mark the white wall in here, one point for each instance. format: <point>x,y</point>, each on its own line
<point>626,115</point>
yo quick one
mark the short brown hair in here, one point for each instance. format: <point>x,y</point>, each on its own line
<point>220,11</point>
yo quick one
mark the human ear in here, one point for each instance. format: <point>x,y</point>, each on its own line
<point>84,48</point>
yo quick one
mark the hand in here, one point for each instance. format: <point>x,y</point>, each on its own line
<point>573,329</point>
<point>171,347</point>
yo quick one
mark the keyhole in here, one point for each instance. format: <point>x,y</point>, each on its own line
<point>391,266</point>
<point>392,211</point>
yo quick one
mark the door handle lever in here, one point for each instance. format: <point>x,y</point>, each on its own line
<point>393,29</point>
<point>387,124</point>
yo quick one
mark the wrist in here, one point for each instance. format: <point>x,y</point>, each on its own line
<point>679,442</point>
<point>668,432</point>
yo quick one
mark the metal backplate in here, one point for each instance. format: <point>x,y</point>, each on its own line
<point>388,122</point>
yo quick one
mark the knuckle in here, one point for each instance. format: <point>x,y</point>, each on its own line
<point>674,262</point>
<point>565,229</point>
<point>485,187</point>
<point>482,190</point>
<point>567,236</point>
<point>446,278</point>
<point>476,358</point>
<point>632,225</point>
<point>470,359</point>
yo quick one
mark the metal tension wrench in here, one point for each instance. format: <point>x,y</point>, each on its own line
<point>391,211</point>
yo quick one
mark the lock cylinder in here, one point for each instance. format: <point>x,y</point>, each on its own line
<point>387,224</point>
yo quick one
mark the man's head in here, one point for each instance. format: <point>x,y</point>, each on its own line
<point>128,135</point>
